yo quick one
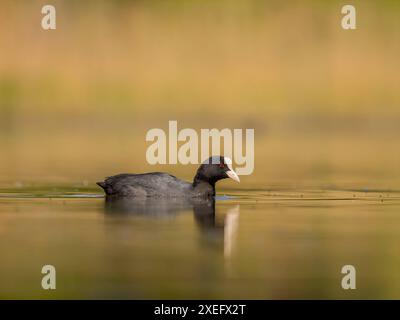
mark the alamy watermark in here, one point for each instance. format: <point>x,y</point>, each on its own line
<point>49,280</point>
<point>349,18</point>
<point>196,147</point>
<point>348,21</point>
<point>49,18</point>
<point>349,280</point>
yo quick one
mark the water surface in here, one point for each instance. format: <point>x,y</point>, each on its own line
<point>263,244</point>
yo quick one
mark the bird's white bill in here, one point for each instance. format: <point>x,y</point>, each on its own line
<point>232,174</point>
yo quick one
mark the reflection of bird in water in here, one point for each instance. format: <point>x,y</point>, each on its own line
<point>157,207</point>
<point>216,229</point>
<point>219,229</point>
<point>230,230</point>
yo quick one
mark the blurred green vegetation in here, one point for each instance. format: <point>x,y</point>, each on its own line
<point>266,56</point>
<point>315,93</point>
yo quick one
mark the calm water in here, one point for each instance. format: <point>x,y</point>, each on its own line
<point>254,244</point>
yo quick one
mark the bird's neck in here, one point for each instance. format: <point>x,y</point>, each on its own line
<point>203,185</point>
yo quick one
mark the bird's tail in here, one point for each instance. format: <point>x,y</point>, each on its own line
<point>102,184</point>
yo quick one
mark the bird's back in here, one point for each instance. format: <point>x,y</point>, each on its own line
<point>154,184</point>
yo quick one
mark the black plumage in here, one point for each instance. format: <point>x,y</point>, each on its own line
<point>164,185</point>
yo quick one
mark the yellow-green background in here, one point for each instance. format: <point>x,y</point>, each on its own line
<point>76,102</point>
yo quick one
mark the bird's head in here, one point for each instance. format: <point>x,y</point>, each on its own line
<point>214,169</point>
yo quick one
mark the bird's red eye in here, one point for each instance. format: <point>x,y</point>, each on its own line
<point>221,165</point>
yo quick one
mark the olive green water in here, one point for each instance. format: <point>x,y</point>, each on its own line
<point>263,244</point>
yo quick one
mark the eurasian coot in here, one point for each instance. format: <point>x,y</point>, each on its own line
<point>159,184</point>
